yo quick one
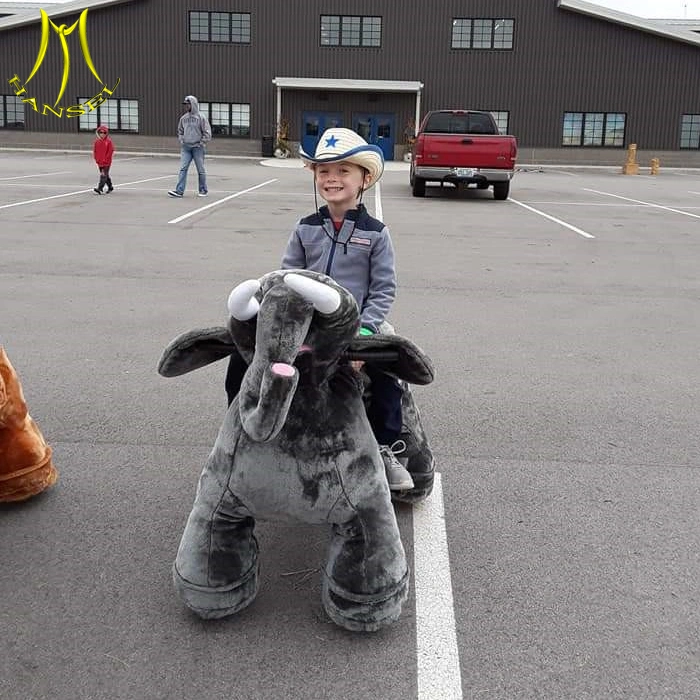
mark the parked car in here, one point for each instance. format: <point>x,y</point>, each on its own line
<point>462,148</point>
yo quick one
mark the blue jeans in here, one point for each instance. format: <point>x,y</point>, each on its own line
<point>187,155</point>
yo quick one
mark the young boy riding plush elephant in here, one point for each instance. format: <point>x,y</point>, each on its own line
<point>296,444</point>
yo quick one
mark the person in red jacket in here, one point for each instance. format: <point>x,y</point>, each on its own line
<point>102,151</point>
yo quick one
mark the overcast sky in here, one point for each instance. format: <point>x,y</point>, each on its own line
<point>689,9</point>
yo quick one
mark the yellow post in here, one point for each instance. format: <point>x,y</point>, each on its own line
<point>655,166</point>
<point>631,167</point>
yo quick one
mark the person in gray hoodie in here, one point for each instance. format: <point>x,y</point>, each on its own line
<point>193,132</point>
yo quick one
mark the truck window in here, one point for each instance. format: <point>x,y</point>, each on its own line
<point>480,124</point>
<point>448,123</point>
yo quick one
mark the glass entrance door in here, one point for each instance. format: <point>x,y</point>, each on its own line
<point>314,124</point>
<point>377,129</point>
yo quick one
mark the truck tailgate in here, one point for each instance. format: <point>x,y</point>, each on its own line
<point>473,151</point>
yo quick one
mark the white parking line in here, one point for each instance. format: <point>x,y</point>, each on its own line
<point>219,201</point>
<point>21,177</point>
<point>63,154</point>
<point>582,204</point>
<point>646,204</point>
<point>43,185</point>
<point>552,218</point>
<point>70,194</point>
<point>378,213</point>
<point>439,675</point>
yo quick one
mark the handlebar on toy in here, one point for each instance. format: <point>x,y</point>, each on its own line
<point>372,356</point>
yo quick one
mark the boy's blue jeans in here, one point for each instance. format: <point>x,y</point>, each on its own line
<point>187,155</point>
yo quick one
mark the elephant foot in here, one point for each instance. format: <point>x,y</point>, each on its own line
<point>22,484</point>
<point>421,467</point>
<point>213,602</point>
<point>364,613</point>
<point>422,488</point>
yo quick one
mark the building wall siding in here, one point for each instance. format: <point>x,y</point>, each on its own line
<point>561,61</point>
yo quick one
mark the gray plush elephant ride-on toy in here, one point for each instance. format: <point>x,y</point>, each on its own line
<point>296,446</point>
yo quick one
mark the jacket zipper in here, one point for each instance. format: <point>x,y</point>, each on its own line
<point>330,257</point>
<point>334,243</point>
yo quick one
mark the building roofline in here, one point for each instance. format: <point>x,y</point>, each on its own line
<point>55,10</point>
<point>692,25</point>
<point>17,8</point>
<point>644,25</point>
<point>348,84</point>
<point>660,28</point>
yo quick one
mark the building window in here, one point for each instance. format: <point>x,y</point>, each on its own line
<point>221,27</point>
<point>690,131</point>
<point>11,112</point>
<point>482,33</point>
<point>227,119</point>
<point>347,30</point>
<point>501,121</point>
<point>116,114</point>
<point>594,129</point>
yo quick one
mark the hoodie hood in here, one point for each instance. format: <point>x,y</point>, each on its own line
<point>102,128</point>
<point>194,102</point>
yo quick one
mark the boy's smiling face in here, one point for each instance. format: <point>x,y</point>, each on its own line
<point>340,184</point>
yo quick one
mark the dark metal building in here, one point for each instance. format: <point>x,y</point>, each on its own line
<point>572,80</point>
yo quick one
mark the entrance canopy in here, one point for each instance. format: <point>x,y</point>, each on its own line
<point>347,84</point>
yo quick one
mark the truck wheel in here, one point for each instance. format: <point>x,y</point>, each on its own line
<point>418,187</point>
<point>501,189</point>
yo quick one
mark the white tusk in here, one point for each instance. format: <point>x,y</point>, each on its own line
<point>325,299</point>
<point>242,304</point>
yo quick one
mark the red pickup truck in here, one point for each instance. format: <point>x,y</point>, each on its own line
<point>462,147</point>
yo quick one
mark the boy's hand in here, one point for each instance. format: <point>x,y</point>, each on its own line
<point>357,364</point>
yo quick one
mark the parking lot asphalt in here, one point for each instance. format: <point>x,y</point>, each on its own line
<point>558,557</point>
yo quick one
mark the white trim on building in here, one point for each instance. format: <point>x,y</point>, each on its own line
<point>32,14</point>
<point>651,26</point>
<point>346,84</point>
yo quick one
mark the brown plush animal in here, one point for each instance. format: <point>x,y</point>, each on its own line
<point>26,468</point>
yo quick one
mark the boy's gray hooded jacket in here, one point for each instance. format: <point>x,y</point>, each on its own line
<point>193,128</point>
<point>360,257</point>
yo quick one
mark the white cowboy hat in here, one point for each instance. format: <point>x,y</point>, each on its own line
<point>344,144</point>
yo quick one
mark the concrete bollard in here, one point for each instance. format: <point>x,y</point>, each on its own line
<point>631,167</point>
<point>655,166</point>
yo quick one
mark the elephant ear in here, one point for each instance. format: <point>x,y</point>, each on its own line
<point>393,354</point>
<point>194,349</point>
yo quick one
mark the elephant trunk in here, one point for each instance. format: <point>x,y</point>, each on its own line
<point>265,401</point>
<point>283,319</point>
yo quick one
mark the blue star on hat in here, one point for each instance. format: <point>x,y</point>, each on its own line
<point>331,142</point>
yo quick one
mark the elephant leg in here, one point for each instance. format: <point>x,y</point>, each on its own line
<point>365,581</point>
<point>216,567</point>
<point>418,455</point>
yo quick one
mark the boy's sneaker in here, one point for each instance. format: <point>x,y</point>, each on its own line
<point>396,474</point>
<point>110,189</point>
<point>97,190</point>
<point>203,194</point>
<point>174,193</point>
